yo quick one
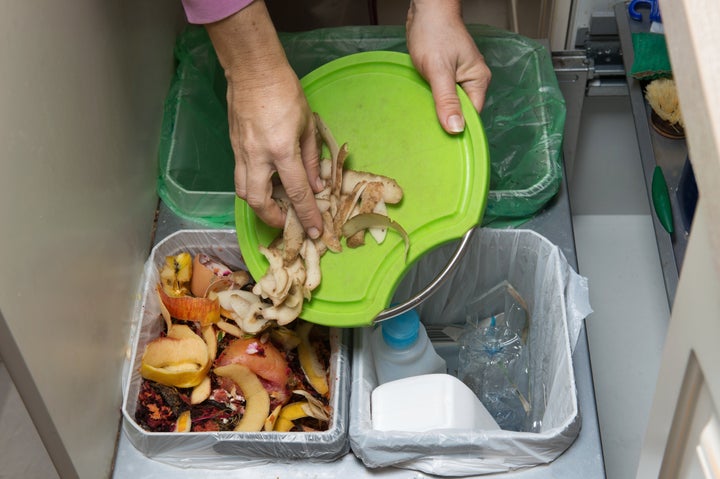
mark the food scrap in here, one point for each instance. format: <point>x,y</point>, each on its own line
<point>223,372</point>
<point>352,203</point>
<point>233,355</point>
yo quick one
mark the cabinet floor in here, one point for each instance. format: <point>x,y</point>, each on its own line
<point>617,252</point>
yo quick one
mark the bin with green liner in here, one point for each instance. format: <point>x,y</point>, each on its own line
<point>523,117</point>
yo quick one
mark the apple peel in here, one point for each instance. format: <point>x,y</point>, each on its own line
<point>257,399</point>
<point>179,359</point>
<point>309,362</point>
<point>188,308</point>
<point>202,391</point>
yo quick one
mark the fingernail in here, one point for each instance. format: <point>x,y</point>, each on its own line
<point>313,233</point>
<point>456,123</point>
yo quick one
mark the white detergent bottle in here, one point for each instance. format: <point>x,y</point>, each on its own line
<point>401,348</point>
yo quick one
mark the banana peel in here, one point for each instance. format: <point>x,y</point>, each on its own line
<point>176,273</point>
<point>289,413</point>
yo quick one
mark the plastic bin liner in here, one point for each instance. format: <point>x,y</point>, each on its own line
<point>557,298</point>
<point>524,117</point>
<point>225,450</point>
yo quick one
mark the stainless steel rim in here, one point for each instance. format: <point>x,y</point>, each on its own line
<point>423,295</point>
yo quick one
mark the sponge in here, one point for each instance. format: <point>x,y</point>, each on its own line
<point>651,58</point>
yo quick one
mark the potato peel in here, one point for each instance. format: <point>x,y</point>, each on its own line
<point>347,194</point>
<point>374,220</point>
<point>379,233</point>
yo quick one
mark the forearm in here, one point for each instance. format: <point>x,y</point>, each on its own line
<point>436,8</point>
<point>247,44</point>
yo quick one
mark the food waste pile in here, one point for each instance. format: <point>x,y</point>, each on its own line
<point>234,355</point>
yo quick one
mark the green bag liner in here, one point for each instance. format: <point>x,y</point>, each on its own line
<point>523,116</point>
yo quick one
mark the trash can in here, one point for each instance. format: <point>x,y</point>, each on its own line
<point>556,299</point>
<point>225,449</point>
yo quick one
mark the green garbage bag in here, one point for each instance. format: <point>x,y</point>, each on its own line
<point>523,116</point>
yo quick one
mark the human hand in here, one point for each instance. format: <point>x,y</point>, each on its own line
<point>272,128</point>
<point>445,54</point>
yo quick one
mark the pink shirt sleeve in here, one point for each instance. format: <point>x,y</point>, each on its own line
<point>208,11</point>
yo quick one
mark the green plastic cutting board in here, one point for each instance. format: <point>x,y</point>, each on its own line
<point>379,104</point>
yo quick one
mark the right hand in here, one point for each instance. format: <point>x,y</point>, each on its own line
<point>445,54</point>
<point>271,124</point>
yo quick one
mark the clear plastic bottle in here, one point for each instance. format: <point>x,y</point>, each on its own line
<point>493,363</point>
<point>401,348</point>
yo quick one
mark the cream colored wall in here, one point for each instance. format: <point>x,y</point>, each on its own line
<point>81,90</point>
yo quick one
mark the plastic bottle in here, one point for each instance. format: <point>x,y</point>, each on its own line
<point>401,348</point>
<point>493,363</point>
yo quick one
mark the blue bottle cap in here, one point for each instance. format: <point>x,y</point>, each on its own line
<point>401,331</point>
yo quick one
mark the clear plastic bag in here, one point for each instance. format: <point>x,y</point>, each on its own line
<point>557,298</point>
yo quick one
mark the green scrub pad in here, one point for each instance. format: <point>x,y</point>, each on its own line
<point>651,59</point>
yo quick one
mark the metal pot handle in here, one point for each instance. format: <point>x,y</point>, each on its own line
<point>419,298</point>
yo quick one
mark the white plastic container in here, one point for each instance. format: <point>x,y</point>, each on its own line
<point>428,403</point>
<point>401,349</point>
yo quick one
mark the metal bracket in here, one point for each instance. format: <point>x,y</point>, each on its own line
<point>595,68</point>
<point>573,70</point>
<point>601,44</point>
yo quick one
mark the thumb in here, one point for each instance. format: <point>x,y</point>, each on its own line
<point>447,103</point>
